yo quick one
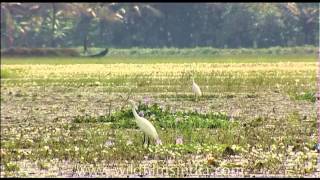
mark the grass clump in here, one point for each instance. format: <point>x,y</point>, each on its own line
<point>161,117</point>
<point>308,96</point>
<point>10,73</point>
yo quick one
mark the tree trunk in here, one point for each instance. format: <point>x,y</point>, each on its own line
<point>53,44</point>
<point>85,44</point>
<point>101,26</point>
<point>83,28</point>
<point>10,38</point>
<point>9,29</point>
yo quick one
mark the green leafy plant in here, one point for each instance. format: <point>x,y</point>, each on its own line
<point>161,117</point>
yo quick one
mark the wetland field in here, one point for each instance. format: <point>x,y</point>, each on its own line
<point>69,117</point>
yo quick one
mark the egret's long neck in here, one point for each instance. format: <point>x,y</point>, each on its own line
<point>135,112</point>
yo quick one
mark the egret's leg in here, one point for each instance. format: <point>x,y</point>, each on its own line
<point>148,142</point>
<point>144,138</point>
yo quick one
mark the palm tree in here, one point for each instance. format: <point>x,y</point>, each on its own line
<point>108,13</point>
<point>8,12</point>
<point>53,12</point>
<point>90,11</point>
<point>42,10</point>
<point>307,15</point>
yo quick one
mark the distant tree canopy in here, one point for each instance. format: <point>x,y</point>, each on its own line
<point>155,25</point>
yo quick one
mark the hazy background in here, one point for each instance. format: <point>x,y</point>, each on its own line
<point>156,25</point>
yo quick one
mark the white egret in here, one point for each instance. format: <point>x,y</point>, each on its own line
<point>148,129</point>
<point>196,88</point>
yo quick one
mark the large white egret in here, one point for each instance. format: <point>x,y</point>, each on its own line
<point>195,88</point>
<point>148,129</point>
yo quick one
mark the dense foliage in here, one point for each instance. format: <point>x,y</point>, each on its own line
<point>157,25</point>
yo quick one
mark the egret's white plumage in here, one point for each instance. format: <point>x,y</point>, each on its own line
<point>144,124</point>
<point>196,88</point>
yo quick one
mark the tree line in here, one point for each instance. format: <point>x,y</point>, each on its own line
<point>157,25</point>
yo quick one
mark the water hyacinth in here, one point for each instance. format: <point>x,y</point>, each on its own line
<point>141,114</point>
<point>97,83</point>
<point>152,117</point>
<point>108,143</point>
<point>178,119</point>
<point>46,148</point>
<point>159,142</point>
<point>2,152</point>
<point>173,110</point>
<point>198,110</point>
<point>179,140</point>
<point>76,148</point>
<point>129,142</point>
<point>146,100</point>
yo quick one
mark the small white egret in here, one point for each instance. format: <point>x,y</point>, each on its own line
<point>148,129</point>
<point>196,88</point>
